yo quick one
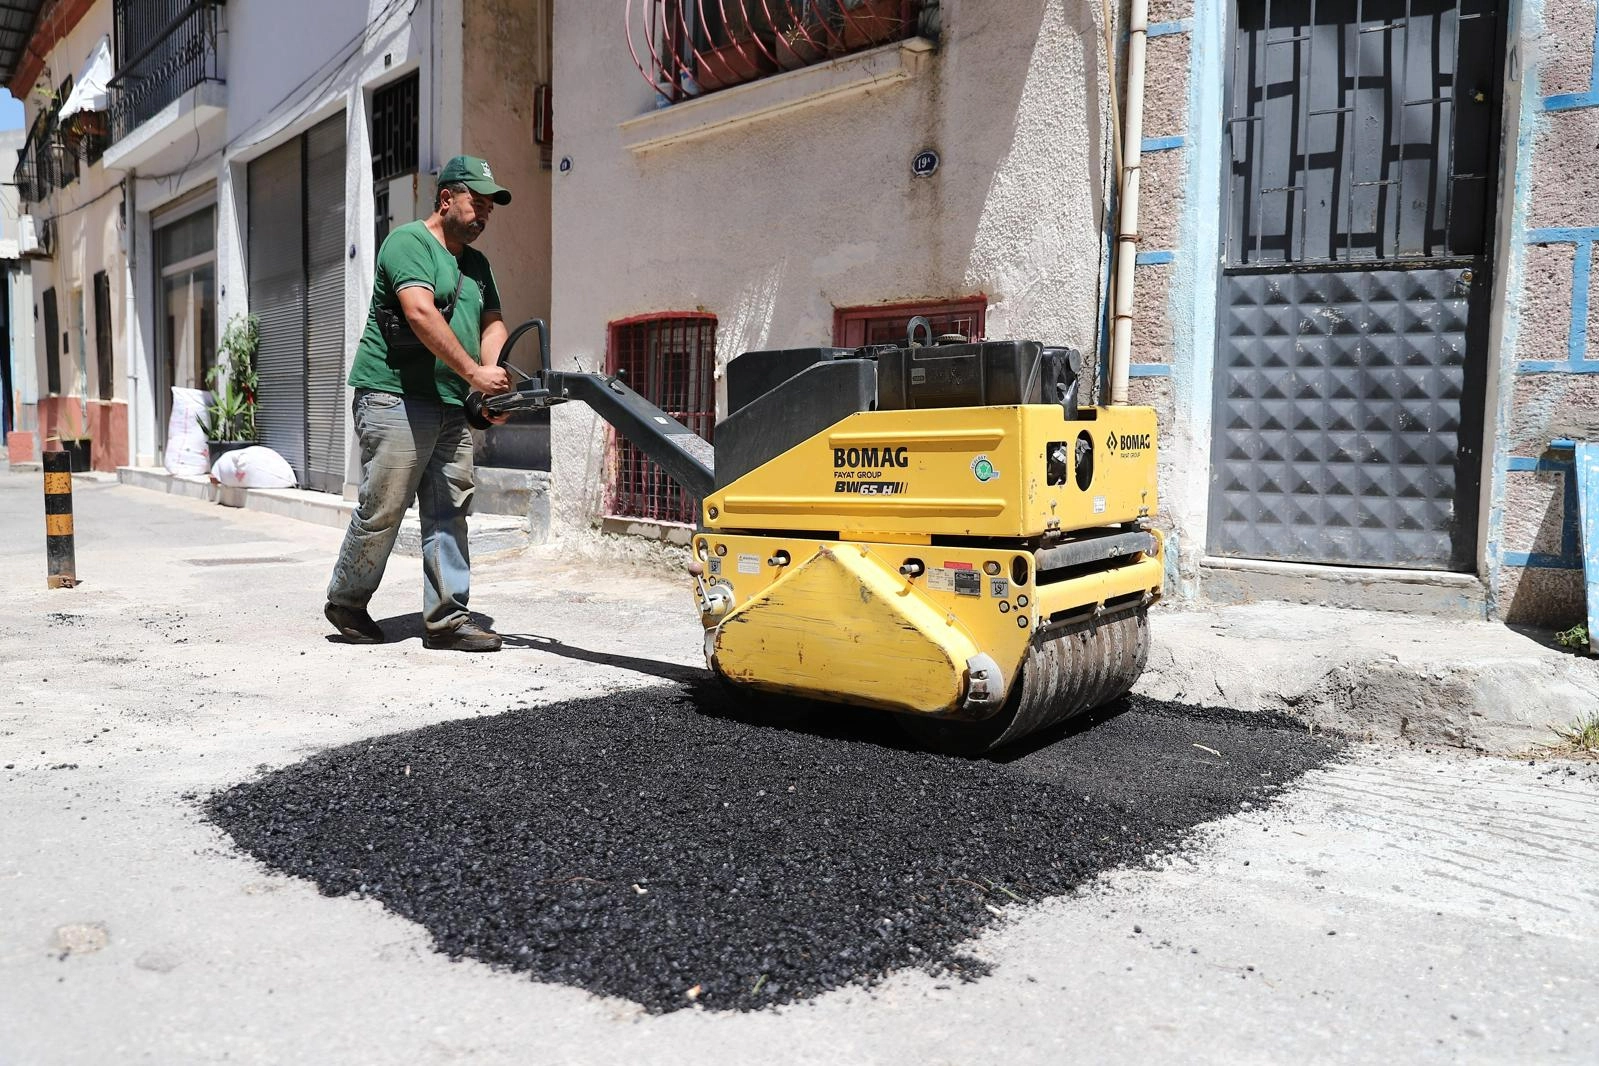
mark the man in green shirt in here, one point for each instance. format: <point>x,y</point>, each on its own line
<point>434,332</point>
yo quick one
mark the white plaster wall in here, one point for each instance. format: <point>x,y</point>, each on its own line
<point>774,224</point>
<point>294,63</point>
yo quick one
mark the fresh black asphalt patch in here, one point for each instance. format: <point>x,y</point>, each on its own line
<point>647,845</point>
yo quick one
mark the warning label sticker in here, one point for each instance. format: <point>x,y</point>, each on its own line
<point>749,564</point>
<point>940,579</point>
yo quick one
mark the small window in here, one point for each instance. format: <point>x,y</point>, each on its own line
<point>887,324</point>
<point>395,142</point>
<point>52,351</point>
<point>670,360</point>
<point>102,335</point>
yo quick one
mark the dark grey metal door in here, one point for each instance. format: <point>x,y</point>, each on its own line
<point>324,305</point>
<point>297,289</point>
<point>277,298</point>
<point>1351,364</point>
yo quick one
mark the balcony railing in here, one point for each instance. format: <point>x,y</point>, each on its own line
<point>55,151</point>
<point>164,48</point>
<point>686,48</point>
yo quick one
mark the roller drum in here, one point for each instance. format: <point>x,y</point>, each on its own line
<point>1066,672</point>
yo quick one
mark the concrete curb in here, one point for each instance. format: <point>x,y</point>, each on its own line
<point>486,533</point>
<point>1477,685</point>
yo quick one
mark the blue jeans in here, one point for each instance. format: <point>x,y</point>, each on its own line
<point>410,449</point>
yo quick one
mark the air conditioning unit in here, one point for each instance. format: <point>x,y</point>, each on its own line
<point>411,197</point>
<point>27,237</point>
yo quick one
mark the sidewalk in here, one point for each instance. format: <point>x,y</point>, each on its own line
<point>1382,675</point>
<point>1374,674</point>
<point>486,533</point>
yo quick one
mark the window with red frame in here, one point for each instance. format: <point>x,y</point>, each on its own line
<point>887,324</point>
<point>670,360</point>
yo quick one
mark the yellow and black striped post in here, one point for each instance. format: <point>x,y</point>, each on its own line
<point>58,520</point>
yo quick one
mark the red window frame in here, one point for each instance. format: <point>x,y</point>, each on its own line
<point>670,359</point>
<point>887,323</point>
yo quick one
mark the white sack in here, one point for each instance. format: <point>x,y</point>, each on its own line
<point>255,467</point>
<point>186,450</point>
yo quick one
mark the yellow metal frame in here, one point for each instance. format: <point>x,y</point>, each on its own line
<point>973,471</point>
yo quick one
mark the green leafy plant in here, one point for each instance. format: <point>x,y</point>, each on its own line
<point>1575,637</point>
<point>231,414</point>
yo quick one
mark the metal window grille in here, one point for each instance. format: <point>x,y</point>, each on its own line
<point>394,129</point>
<point>1360,130</point>
<point>395,144</point>
<point>670,360</point>
<point>855,326</point>
<point>163,48</point>
<point>688,47</point>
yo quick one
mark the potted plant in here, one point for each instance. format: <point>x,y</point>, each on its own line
<point>868,22</point>
<point>740,60</point>
<point>229,421</point>
<point>800,45</point>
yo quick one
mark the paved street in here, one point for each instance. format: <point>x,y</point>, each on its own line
<point>1394,904</point>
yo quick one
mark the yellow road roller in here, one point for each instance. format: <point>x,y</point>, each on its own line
<point>935,528</point>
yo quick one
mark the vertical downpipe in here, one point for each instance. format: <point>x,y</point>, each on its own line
<point>1127,221</point>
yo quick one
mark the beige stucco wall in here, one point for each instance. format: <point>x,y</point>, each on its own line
<point>773,224</point>
<point>497,124</point>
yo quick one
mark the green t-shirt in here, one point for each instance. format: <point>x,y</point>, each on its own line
<point>411,255</point>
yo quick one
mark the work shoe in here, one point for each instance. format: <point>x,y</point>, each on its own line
<point>354,624</point>
<point>468,636</point>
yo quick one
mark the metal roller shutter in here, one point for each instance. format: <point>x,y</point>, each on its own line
<point>277,298</point>
<point>324,305</point>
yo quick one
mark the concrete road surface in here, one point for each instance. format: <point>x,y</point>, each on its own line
<point>1398,906</point>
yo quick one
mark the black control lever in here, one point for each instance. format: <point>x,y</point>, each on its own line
<point>529,394</point>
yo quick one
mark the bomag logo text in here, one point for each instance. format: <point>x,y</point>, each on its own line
<point>871,458</point>
<point>1131,442</point>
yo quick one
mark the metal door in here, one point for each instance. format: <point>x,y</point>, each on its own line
<point>277,298</point>
<point>324,305</point>
<point>1351,365</point>
<point>297,290</point>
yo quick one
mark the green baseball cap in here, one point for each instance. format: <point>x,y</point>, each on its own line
<point>475,174</point>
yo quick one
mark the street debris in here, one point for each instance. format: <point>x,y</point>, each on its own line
<point>779,864</point>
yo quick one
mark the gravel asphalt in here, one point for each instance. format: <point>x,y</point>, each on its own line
<point>651,845</point>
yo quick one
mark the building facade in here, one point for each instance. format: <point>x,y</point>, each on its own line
<point>1361,278</point>
<point>244,165</point>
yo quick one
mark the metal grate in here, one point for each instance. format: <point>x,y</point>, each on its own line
<point>855,326</point>
<point>164,48</point>
<point>394,129</point>
<point>1360,130</point>
<point>670,360</point>
<point>395,146</point>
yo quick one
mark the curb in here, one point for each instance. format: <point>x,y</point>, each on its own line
<point>1375,675</point>
<point>486,533</point>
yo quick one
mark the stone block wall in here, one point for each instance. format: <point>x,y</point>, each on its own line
<point>1549,363</point>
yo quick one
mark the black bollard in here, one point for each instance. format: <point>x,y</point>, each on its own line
<point>58,520</point>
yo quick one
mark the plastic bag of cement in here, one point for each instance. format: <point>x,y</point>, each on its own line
<point>255,467</point>
<point>186,451</point>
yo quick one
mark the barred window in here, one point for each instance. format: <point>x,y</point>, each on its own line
<point>670,360</point>
<point>887,324</point>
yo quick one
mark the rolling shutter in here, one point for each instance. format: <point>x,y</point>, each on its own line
<point>277,298</point>
<point>324,305</point>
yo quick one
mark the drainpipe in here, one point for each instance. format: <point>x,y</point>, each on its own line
<point>1121,344</point>
<point>130,323</point>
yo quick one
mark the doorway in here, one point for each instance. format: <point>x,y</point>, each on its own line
<point>1352,355</point>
